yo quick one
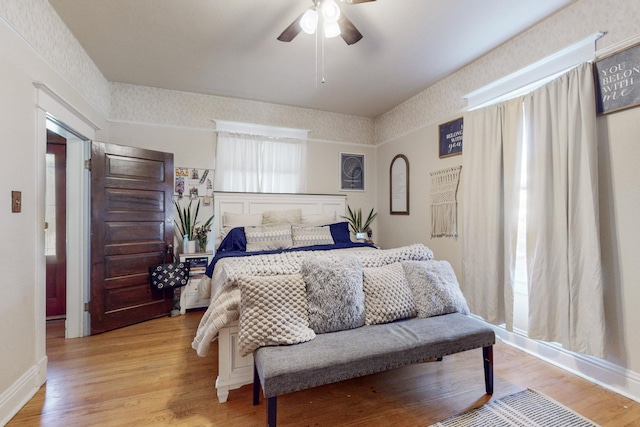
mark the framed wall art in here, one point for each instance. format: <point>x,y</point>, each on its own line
<point>352,172</point>
<point>451,138</point>
<point>617,79</point>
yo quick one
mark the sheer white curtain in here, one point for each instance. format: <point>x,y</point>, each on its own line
<point>491,189</point>
<point>563,246</point>
<point>252,163</point>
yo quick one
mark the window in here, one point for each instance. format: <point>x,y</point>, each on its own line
<point>260,159</point>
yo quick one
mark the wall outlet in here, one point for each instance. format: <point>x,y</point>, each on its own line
<point>16,201</point>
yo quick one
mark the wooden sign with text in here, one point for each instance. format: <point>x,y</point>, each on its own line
<point>451,138</point>
<point>618,80</point>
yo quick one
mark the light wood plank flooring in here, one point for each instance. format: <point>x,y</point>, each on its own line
<point>148,375</point>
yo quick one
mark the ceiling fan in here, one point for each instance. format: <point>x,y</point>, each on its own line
<point>328,13</point>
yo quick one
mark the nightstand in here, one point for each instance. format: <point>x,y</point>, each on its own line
<point>189,296</point>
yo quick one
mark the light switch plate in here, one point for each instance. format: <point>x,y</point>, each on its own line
<point>16,201</point>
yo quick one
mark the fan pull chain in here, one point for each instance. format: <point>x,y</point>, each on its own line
<point>322,81</point>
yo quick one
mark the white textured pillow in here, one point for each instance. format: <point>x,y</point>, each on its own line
<point>273,311</point>
<point>268,237</point>
<point>435,288</point>
<point>334,292</point>
<point>318,219</point>
<point>291,216</point>
<point>387,294</point>
<point>231,220</point>
<point>309,236</point>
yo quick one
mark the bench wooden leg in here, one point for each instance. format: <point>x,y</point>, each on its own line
<point>272,409</point>
<point>256,387</point>
<point>487,355</point>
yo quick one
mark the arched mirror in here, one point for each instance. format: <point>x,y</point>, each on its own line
<point>399,185</point>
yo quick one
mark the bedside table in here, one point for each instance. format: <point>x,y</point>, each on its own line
<point>189,296</point>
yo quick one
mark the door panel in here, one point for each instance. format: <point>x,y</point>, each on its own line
<point>131,225</point>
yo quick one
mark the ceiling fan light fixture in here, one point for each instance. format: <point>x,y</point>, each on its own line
<point>309,21</point>
<point>330,11</point>
<point>331,29</point>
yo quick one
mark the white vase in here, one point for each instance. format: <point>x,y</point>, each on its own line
<point>191,247</point>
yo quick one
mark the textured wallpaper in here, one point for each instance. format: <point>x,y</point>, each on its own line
<point>41,27</point>
<point>140,104</point>
<point>38,23</point>
<point>577,21</point>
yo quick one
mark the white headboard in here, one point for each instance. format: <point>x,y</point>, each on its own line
<point>256,203</point>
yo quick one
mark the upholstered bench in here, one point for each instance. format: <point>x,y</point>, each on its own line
<point>338,356</point>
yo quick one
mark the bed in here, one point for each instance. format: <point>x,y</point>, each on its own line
<point>247,233</point>
<point>235,370</point>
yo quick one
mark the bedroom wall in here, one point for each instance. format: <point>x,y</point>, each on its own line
<point>65,69</point>
<point>413,126</point>
<point>183,123</point>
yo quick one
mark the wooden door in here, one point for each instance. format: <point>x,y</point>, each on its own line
<point>56,247</point>
<point>131,225</point>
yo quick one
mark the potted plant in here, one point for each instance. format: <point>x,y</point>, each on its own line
<point>357,225</point>
<point>187,221</point>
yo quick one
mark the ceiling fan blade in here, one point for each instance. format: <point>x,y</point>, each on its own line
<point>291,31</point>
<point>348,31</point>
<point>356,1</point>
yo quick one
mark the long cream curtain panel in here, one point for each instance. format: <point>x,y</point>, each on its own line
<point>557,124</point>
<point>491,193</point>
<point>566,303</point>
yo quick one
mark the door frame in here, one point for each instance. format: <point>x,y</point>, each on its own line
<point>50,107</point>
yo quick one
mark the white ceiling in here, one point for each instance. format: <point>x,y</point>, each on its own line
<point>229,47</point>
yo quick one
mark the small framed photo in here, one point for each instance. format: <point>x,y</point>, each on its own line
<point>451,138</point>
<point>352,172</point>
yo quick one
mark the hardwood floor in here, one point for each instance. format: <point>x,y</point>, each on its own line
<point>148,375</point>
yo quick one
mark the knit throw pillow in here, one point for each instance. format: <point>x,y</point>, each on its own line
<point>387,294</point>
<point>435,288</point>
<point>268,237</point>
<point>310,236</point>
<point>273,311</point>
<point>334,292</point>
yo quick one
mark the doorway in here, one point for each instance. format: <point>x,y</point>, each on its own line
<point>72,280</point>
<point>55,229</point>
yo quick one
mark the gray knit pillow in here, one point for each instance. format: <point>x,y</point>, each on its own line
<point>334,292</point>
<point>387,294</point>
<point>273,311</point>
<point>435,288</point>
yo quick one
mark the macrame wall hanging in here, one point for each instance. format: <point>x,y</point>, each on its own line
<point>444,203</point>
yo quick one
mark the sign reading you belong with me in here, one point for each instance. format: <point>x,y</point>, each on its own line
<point>618,80</point>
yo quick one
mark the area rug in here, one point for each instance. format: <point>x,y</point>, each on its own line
<point>527,408</point>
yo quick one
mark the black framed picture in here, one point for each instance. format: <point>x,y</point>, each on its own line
<point>618,80</point>
<point>451,138</point>
<point>351,172</point>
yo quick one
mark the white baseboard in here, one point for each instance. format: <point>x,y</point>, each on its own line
<point>606,374</point>
<point>23,389</point>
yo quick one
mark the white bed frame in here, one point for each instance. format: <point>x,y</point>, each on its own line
<point>234,370</point>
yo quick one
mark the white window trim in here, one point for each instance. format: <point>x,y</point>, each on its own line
<point>546,68</point>
<point>262,130</point>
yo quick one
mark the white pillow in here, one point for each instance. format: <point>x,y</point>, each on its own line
<point>387,296</point>
<point>291,216</point>
<point>309,236</point>
<point>318,219</point>
<point>273,311</point>
<point>268,237</point>
<point>231,220</point>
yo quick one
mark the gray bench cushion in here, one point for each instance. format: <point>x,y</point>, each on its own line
<point>342,355</point>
